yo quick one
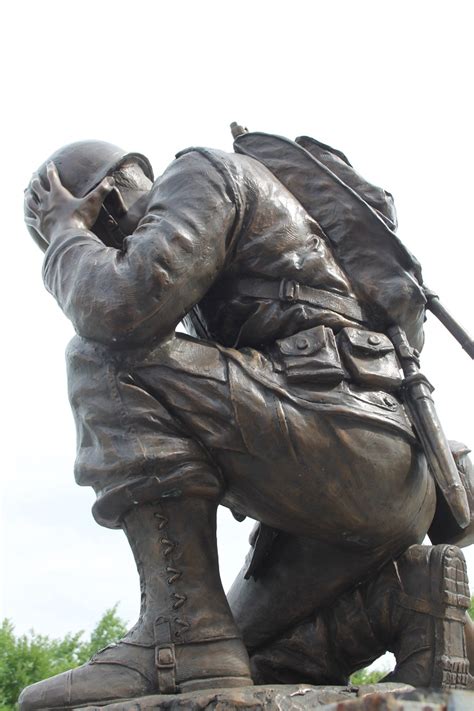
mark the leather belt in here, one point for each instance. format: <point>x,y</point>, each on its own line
<point>290,291</point>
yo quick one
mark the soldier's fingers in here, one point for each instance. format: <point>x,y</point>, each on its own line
<point>53,175</point>
<point>36,187</point>
<point>31,220</point>
<point>35,190</point>
<point>31,202</point>
<point>103,189</point>
<point>31,193</point>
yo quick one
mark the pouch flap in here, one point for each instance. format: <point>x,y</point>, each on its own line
<point>367,342</point>
<point>310,357</point>
<point>305,343</point>
<point>370,359</point>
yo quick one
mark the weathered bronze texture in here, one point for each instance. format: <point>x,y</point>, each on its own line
<point>286,402</point>
<point>372,697</point>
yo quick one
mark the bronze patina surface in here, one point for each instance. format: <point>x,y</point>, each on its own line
<point>296,398</point>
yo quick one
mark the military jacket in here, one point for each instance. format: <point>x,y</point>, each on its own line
<point>213,218</point>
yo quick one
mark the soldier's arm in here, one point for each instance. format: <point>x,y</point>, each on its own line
<point>166,266</point>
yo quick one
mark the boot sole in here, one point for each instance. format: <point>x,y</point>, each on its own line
<point>450,592</point>
<point>184,687</point>
<point>219,682</point>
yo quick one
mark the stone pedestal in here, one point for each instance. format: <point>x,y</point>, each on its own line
<point>376,697</point>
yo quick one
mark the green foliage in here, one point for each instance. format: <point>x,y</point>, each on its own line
<point>109,629</point>
<point>33,657</point>
<point>364,677</point>
<point>471,609</point>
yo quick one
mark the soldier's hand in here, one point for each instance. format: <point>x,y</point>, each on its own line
<point>51,211</point>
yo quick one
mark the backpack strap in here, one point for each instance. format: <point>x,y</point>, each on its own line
<point>291,291</point>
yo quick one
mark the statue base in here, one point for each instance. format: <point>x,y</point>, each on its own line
<point>376,697</point>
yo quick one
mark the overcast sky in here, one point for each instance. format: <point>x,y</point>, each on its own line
<point>388,83</point>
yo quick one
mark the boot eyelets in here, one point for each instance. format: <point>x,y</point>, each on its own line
<point>169,546</point>
<point>162,520</point>
<point>182,625</point>
<point>179,600</point>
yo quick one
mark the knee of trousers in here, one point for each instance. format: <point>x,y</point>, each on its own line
<point>130,448</point>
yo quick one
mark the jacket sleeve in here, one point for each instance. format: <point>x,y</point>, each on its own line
<point>141,293</point>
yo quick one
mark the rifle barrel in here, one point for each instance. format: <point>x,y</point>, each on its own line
<point>455,329</point>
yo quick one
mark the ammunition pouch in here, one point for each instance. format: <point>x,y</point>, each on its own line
<point>370,359</point>
<point>315,358</point>
<point>310,357</point>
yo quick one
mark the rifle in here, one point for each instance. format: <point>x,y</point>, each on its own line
<point>455,329</point>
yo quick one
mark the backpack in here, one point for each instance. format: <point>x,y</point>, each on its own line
<point>359,221</point>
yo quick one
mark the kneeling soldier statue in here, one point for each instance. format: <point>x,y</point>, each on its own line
<point>296,399</point>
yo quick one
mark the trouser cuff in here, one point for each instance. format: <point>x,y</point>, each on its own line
<point>113,503</point>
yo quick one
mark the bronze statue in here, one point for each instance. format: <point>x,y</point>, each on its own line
<point>287,404</point>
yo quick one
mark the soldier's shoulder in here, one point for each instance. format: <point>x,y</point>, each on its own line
<point>235,162</point>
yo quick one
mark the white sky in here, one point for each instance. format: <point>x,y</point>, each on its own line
<point>389,83</point>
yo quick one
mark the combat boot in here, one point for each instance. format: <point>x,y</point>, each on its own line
<point>415,608</point>
<point>185,638</point>
<point>428,615</point>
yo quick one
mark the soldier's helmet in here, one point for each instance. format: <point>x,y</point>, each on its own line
<point>82,166</point>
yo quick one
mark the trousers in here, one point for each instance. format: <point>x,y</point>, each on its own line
<point>336,470</point>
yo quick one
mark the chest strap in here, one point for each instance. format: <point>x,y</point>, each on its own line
<point>290,291</point>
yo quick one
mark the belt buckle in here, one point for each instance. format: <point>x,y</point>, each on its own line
<point>289,290</point>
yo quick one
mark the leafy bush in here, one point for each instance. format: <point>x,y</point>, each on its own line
<point>364,677</point>
<point>33,657</point>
